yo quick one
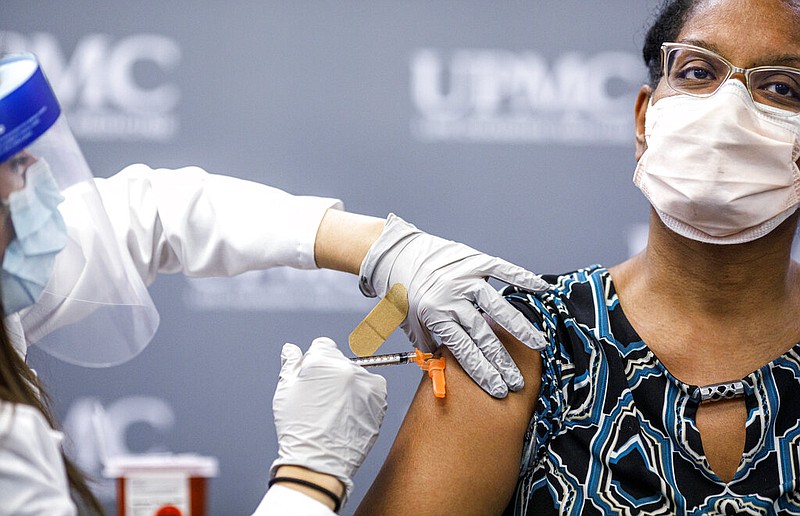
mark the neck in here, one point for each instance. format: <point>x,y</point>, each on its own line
<point>720,276</point>
<point>689,300</point>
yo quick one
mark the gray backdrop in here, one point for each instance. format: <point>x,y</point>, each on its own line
<point>504,125</point>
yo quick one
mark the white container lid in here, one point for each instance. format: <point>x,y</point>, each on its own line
<point>191,464</point>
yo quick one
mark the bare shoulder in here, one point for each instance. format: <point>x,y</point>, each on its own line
<point>464,450</point>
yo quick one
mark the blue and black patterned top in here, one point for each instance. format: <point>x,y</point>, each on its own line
<point>614,432</point>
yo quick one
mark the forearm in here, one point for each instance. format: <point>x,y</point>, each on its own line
<point>343,240</point>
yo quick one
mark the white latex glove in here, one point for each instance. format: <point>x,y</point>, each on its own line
<point>327,411</point>
<point>445,281</point>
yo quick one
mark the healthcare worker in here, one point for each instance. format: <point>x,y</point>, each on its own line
<point>82,251</point>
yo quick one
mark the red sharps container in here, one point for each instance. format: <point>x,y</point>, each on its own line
<point>161,484</point>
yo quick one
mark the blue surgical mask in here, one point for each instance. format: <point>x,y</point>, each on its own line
<point>40,235</point>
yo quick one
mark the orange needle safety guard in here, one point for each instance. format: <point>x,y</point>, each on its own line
<point>435,368</point>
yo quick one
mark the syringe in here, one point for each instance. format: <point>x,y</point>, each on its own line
<point>426,362</point>
<point>392,358</point>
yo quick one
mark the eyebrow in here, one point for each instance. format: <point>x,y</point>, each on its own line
<point>775,60</point>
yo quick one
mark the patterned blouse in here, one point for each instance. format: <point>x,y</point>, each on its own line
<point>614,432</point>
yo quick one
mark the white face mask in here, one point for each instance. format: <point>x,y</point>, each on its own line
<point>717,169</point>
<point>40,235</point>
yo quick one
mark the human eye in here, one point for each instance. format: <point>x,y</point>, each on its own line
<point>783,88</point>
<point>694,72</point>
<point>19,163</point>
<point>777,87</point>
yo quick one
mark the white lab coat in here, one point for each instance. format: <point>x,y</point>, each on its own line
<point>201,224</point>
<point>187,221</point>
<point>282,501</point>
<point>33,480</point>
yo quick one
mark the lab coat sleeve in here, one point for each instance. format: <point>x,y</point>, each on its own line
<point>33,480</point>
<point>187,220</point>
<point>282,501</point>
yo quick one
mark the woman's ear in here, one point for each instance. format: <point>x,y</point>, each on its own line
<point>642,101</point>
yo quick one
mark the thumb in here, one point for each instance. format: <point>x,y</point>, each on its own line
<point>291,358</point>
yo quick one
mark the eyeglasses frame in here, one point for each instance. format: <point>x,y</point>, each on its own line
<point>667,47</point>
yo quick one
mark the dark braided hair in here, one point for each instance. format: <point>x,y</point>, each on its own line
<point>669,22</point>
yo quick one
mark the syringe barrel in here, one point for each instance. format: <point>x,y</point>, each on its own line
<point>380,360</point>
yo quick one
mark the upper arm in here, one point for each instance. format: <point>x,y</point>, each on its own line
<point>461,454</point>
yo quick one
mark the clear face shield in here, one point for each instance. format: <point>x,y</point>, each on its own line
<point>72,285</point>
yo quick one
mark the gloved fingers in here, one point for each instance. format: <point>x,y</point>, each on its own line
<point>325,346</point>
<point>324,355</point>
<point>515,275</point>
<point>377,384</point>
<point>291,359</point>
<point>414,326</point>
<point>470,357</point>
<point>508,317</point>
<point>491,347</point>
<point>368,388</point>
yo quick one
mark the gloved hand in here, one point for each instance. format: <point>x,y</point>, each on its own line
<point>445,280</point>
<point>327,411</point>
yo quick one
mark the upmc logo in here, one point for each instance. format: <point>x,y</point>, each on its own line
<point>110,89</point>
<point>502,96</point>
